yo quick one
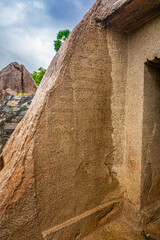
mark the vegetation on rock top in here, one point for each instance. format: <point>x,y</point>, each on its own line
<point>61,37</point>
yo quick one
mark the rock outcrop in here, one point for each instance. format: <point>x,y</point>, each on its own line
<point>16,78</point>
<point>76,166</point>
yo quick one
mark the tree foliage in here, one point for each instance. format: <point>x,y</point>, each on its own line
<point>61,37</point>
<point>37,76</point>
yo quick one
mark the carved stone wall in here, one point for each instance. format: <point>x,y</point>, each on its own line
<point>77,163</point>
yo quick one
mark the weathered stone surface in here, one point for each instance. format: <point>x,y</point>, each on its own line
<point>78,162</point>
<point>120,15</point>
<point>12,111</point>
<point>116,230</point>
<point>16,79</point>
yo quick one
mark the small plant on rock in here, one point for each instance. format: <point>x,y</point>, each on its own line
<point>61,37</point>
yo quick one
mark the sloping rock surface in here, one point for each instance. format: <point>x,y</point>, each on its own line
<point>16,78</point>
<point>58,180</point>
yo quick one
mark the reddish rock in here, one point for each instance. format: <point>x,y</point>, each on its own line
<point>17,78</point>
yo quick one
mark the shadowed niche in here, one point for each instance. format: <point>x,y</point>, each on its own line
<point>150,192</point>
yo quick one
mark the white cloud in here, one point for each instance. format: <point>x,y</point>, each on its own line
<point>34,46</point>
<point>29,27</point>
<point>34,5</point>
<point>31,44</point>
<point>11,15</point>
<point>17,13</point>
<point>76,3</point>
<point>38,5</point>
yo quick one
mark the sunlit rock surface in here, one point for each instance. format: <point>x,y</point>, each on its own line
<point>76,165</point>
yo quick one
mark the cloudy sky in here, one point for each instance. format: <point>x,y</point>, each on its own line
<point>28,28</point>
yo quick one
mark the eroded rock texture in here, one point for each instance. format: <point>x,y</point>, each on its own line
<point>74,170</point>
<point>16,77</point>
<point>12,111</point>
<point>62,166</point>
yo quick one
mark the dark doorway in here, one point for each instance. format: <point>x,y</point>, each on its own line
<point>150,194</point>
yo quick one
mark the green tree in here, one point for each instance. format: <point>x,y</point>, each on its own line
<point>61,37</point>
<point>37,76</point>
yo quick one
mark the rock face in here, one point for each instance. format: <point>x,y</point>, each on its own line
<point>81,164</point>
<point>12,111</point>
<point>16,78</point>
